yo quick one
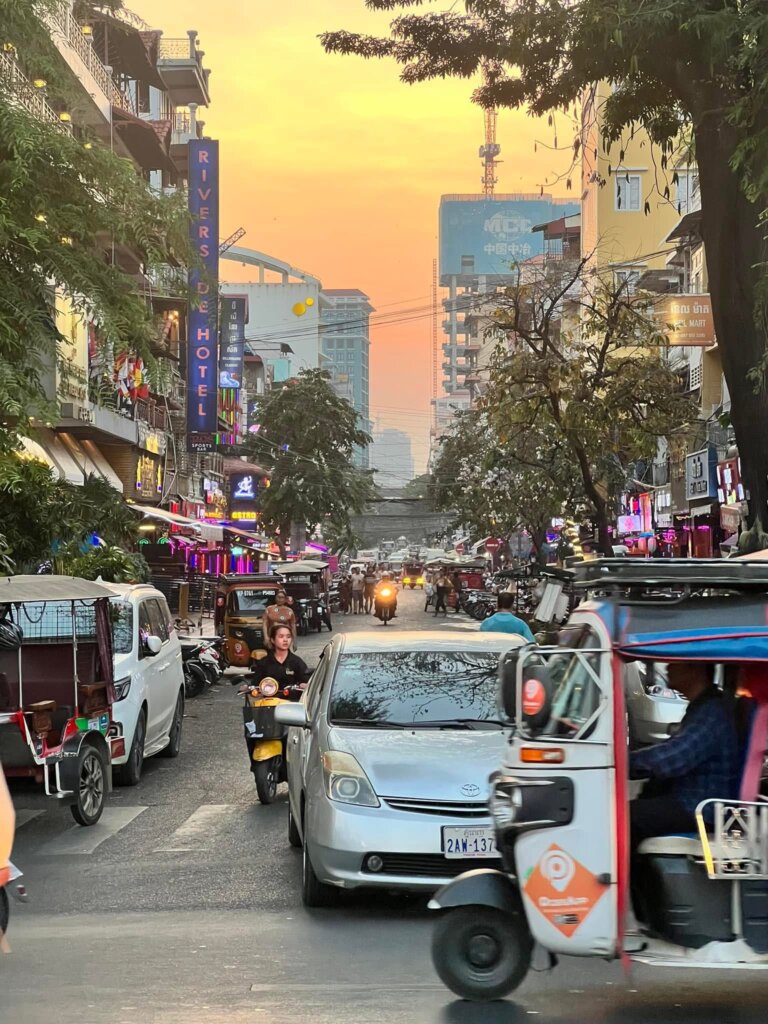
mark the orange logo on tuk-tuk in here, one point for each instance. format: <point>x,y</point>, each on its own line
<point>563,890</point>
<point>534,697</point>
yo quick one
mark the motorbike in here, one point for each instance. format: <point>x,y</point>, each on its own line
<point>384,603</point>
<point>264,737</point>
<point>9,883</point>
<point>195,676</point>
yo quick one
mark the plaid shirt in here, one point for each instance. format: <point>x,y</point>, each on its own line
<point>702,761</point>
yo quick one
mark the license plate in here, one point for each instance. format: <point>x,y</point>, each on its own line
<point>463,843</point>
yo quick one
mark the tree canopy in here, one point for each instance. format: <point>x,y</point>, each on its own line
<point>66,202</point>
<point>677,68</point>
<point>306,438</point>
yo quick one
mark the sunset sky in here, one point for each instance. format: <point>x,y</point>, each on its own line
<point>332,164</point>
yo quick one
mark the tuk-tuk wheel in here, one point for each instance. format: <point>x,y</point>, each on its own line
<point>481,953</point>
<point>91,786</point>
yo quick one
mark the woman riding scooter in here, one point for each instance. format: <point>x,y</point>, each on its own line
<point>281,664</point>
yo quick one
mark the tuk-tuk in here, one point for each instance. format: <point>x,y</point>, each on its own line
<point>57,689</point>
<point>561,799</point>
<point>305,582</point>
<point>239,611</point>
<point>413,575</point>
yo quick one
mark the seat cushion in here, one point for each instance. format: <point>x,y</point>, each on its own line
<point>687,845</point>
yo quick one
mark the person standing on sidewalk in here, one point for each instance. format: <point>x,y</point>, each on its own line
<point>443,587</point>
<point>358,588</point>
<point>370,588</point>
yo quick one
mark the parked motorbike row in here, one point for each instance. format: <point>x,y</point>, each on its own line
<point>204,660</point>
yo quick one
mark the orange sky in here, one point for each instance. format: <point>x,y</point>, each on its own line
<point>333,165</point>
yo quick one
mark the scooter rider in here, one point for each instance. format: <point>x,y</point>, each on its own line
<point>385,583</point>
<point>281,664</point>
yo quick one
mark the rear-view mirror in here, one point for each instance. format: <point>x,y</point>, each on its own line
<point>536,697</point>
<point>292,714</point>
<point>508,684</point>
<point>153,645</point>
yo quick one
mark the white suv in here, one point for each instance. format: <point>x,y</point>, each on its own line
<point>149,679</point>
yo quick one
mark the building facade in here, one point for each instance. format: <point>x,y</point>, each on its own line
<point>345,346</point>
<point>391,456</point>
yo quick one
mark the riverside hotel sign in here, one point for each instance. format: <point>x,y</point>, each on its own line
<point>202,346</point>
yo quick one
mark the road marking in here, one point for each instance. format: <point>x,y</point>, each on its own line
<point>24,817</point>
<point>201,826</point>
<point>79,840</point>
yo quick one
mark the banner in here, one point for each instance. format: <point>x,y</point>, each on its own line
<point>202,347</point>
<point>232,341</point>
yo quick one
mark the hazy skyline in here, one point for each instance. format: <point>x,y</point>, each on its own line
<point>334,165</point>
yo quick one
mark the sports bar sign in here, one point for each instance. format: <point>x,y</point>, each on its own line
<point>202,347</point>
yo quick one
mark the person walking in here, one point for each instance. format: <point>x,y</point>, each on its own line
<point>345,595</point>
<point>358,589</point>
<point>370,588</point>
<point>278,614</point>
<point>443,587</point>
<point>504,621</point>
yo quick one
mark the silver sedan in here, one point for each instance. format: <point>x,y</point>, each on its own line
<point>389,759</point>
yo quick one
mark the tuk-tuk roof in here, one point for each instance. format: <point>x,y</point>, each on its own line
<point>25,589</point>
<point>249,580</point>
<point>304,566</point>
<point>681,609</point>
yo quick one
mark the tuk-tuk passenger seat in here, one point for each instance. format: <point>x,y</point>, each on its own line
<point>688,844</point>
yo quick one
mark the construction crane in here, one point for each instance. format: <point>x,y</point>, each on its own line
<point>229,242</point>
<point>489,151</point>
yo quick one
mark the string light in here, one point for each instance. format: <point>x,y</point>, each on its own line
<point>40,218</point>
<point>39,83</point>
<point>65,117</point>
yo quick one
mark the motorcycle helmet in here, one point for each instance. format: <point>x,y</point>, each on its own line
<point>11,636</point>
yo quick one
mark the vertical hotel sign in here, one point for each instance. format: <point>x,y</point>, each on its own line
<point>202,346</point>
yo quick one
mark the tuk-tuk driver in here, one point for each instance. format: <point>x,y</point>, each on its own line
<point>700,762</point>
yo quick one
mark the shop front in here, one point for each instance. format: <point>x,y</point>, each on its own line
<point>732,499</point>
<point>634,527</point>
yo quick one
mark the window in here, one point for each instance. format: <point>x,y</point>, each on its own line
<point>687,192</point>
<point>626,280</point>
<point>577,697</point>
<point>251,601</point>
<point>121,613</point>
<point>315,687</point>
<point>417,689</point>
<point>627,195</point>
<point>151,621</point>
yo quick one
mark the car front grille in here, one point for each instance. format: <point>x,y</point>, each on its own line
<point>427,865</point>
<point>443,808</point>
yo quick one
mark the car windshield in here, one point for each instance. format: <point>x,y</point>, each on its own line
<point>423,689</point>
<point>254,601</point>
<point>122,626</point>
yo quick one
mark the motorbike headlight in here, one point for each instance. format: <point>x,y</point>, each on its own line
<point>406,579</point>
<point>268,687</point>
<point>122,686</point>
<point>420,581</point>
<point>345,780</point>
<point>386,593</point>
<point>238,633</point>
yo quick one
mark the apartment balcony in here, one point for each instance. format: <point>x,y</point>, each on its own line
<point>154,415</point>
<point>186,127</point>
<point>470,347</point>
<point>168,282</point>
<point>26,95</point>
<point>180,64</point>
<point>99,91</point>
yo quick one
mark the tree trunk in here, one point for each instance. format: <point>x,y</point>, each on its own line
<point>596,500</point>
<point>735,253</point>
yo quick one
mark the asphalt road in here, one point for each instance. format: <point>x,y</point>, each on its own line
<point>184,906</point>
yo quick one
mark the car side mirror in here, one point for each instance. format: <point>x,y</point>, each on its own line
<point>536,698</point>
<point>153,645</point>
<point>508,684</point>
<point>292,714</point>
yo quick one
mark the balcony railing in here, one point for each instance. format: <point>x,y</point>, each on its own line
<point>177,49</point>
<point>27,96</point>
<point>154,415</point>
<point>72,31</point>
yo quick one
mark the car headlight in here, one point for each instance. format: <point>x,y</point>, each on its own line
<point>122,686</point>
<point>345,780</point>
<point>406,579</point>
<point>420,581</point>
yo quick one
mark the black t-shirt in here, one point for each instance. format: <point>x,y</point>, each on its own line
<point>290,672</point>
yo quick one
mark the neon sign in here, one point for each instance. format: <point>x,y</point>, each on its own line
<point>202,348</point>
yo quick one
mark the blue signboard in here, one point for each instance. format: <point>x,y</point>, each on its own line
<point>202,345</point>
<point>232,341</point>
<point>486,236</point>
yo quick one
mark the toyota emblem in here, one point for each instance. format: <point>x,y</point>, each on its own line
<point>470,789</point>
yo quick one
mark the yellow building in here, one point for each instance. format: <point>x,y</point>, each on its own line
<point>626,216</point>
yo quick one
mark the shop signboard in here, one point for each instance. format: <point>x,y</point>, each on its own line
<point>701,476</point>
<point>232,341</point>
<point>629,524</point>
<point>730,489</point>
<point>200,444</point>
<point>202,347</point>
<point>687,318</point>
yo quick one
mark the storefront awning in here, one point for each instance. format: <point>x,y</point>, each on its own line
<point>90,460</point>
<point>247,539</point>
<point>167,517</point>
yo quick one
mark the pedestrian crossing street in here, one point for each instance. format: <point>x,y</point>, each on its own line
<point>200,831</point>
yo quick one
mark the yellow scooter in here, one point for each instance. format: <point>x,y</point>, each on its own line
<point>264,737</point>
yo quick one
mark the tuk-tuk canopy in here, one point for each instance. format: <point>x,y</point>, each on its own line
<point>304,566</point>
<point>682,609</point>
<point>23,589</point>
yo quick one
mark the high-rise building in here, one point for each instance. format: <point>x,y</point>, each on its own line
<point>391,456</point>
<point>345,345</point>
<point>481,238</point>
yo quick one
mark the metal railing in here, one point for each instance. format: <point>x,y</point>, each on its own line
<point>154,415</point>
<point>27,96</point>
<point>72,31</point>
